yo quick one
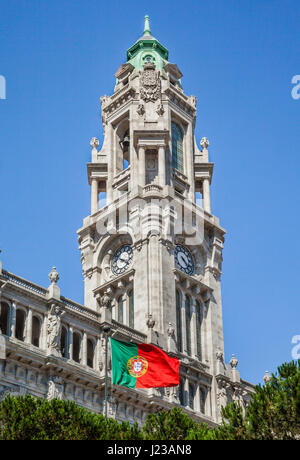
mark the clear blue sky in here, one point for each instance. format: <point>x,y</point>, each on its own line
<point>238,58</point>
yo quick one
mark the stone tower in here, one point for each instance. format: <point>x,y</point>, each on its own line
<point>151,247</point>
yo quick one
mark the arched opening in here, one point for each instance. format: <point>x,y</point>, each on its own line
<point>20,324</point>
<point>188,317</point>
<point>63,342</point>
<point>178,321</point>
<point>122,146</point>
<point>36,331</point>
<point>90,353</point>
<point>177,147</point>
<point>131,308</point>
<point>76,347</point>
<point>4,318</point>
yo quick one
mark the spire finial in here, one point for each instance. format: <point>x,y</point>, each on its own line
<point>147,27</point>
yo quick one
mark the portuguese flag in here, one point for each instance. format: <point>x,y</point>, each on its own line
<point>139,365</point>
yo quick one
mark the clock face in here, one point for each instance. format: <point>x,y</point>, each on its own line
<point>184,260</point>
<point>122,259</point>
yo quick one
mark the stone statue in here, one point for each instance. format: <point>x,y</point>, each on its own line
<point>54,329</point>
<point>55,388</point>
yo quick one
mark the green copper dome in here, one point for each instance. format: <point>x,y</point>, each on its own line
<point>147,49</point>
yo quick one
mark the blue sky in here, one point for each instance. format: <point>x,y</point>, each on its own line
<point>58,57</point>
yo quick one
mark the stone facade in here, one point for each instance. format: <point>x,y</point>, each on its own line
<point>151,259</point>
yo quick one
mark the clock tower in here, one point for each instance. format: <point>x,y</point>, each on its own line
<point>151,248</point>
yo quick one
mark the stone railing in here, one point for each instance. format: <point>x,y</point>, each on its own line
<point>23,283</point>
<point>128,331</point>
<point>79,308</point>
<point>150,188</point>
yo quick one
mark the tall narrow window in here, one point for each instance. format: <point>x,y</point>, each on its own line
<point>188,317</point>
<point>63,342</point>
<point>76,347</point>
<point>90,353</point>
<point>177,147</point>
<point>198,329</point>
<point>36,331</point>
<point>4,314</point>
<point>202,400</point>
<point>131,309</point>
<point>181,393</point>
<point>120,310</point>
<point>191,396</point>
<point>178,321</point>
<point>20,324</point>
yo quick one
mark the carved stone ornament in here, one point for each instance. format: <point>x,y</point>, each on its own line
<point>54,329</point>
<point>53,276</point>
<point>94,143</point>
<point>150,86</point>
<point>140,110</point>
<point>150,322</point>
<point>105,300</point>
<point>160,110</point>
<point>219,355</point>
<point>171,330</point>
<point>233,362</point>
<point>204,142</point>
<point>267,377</point>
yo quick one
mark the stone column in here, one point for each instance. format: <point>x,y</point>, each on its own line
<point>162,165</point>
<point>94,196</point>
<point>13,312</point>
<point>197,399</point>
<point>70,342</point>
<point>142,168</point>
<point>84,349</point>
<point>28,335</point>
<point>206,195</point>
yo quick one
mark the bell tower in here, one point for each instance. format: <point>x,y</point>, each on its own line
<point>151,247</point>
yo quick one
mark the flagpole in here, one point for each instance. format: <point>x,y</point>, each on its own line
<point>106,331</point>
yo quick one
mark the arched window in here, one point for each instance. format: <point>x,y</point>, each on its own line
<point>178,321</point>
<point>76,347</point>
<point>131,308</point>
<point>188,317</point>
<point>90,353</point>
<point>36,331</point>
<point>63,342</point>
<point>198,329</point>
<point>177,147</point>
<point>4,316</point>
<point>20,324</point>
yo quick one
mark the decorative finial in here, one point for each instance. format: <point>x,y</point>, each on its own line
<point>267,377</point>
<point>94,143</point>
<point>147,27</point>
<point>53,276</point>
<point>233,362</point>
<point>204,142</point>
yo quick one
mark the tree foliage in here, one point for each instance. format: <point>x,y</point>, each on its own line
<point>273,413</point>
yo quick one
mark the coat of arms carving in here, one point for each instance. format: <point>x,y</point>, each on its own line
<point>150,88</point>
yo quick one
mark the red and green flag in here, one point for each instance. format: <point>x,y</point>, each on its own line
<point>140,365</point>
